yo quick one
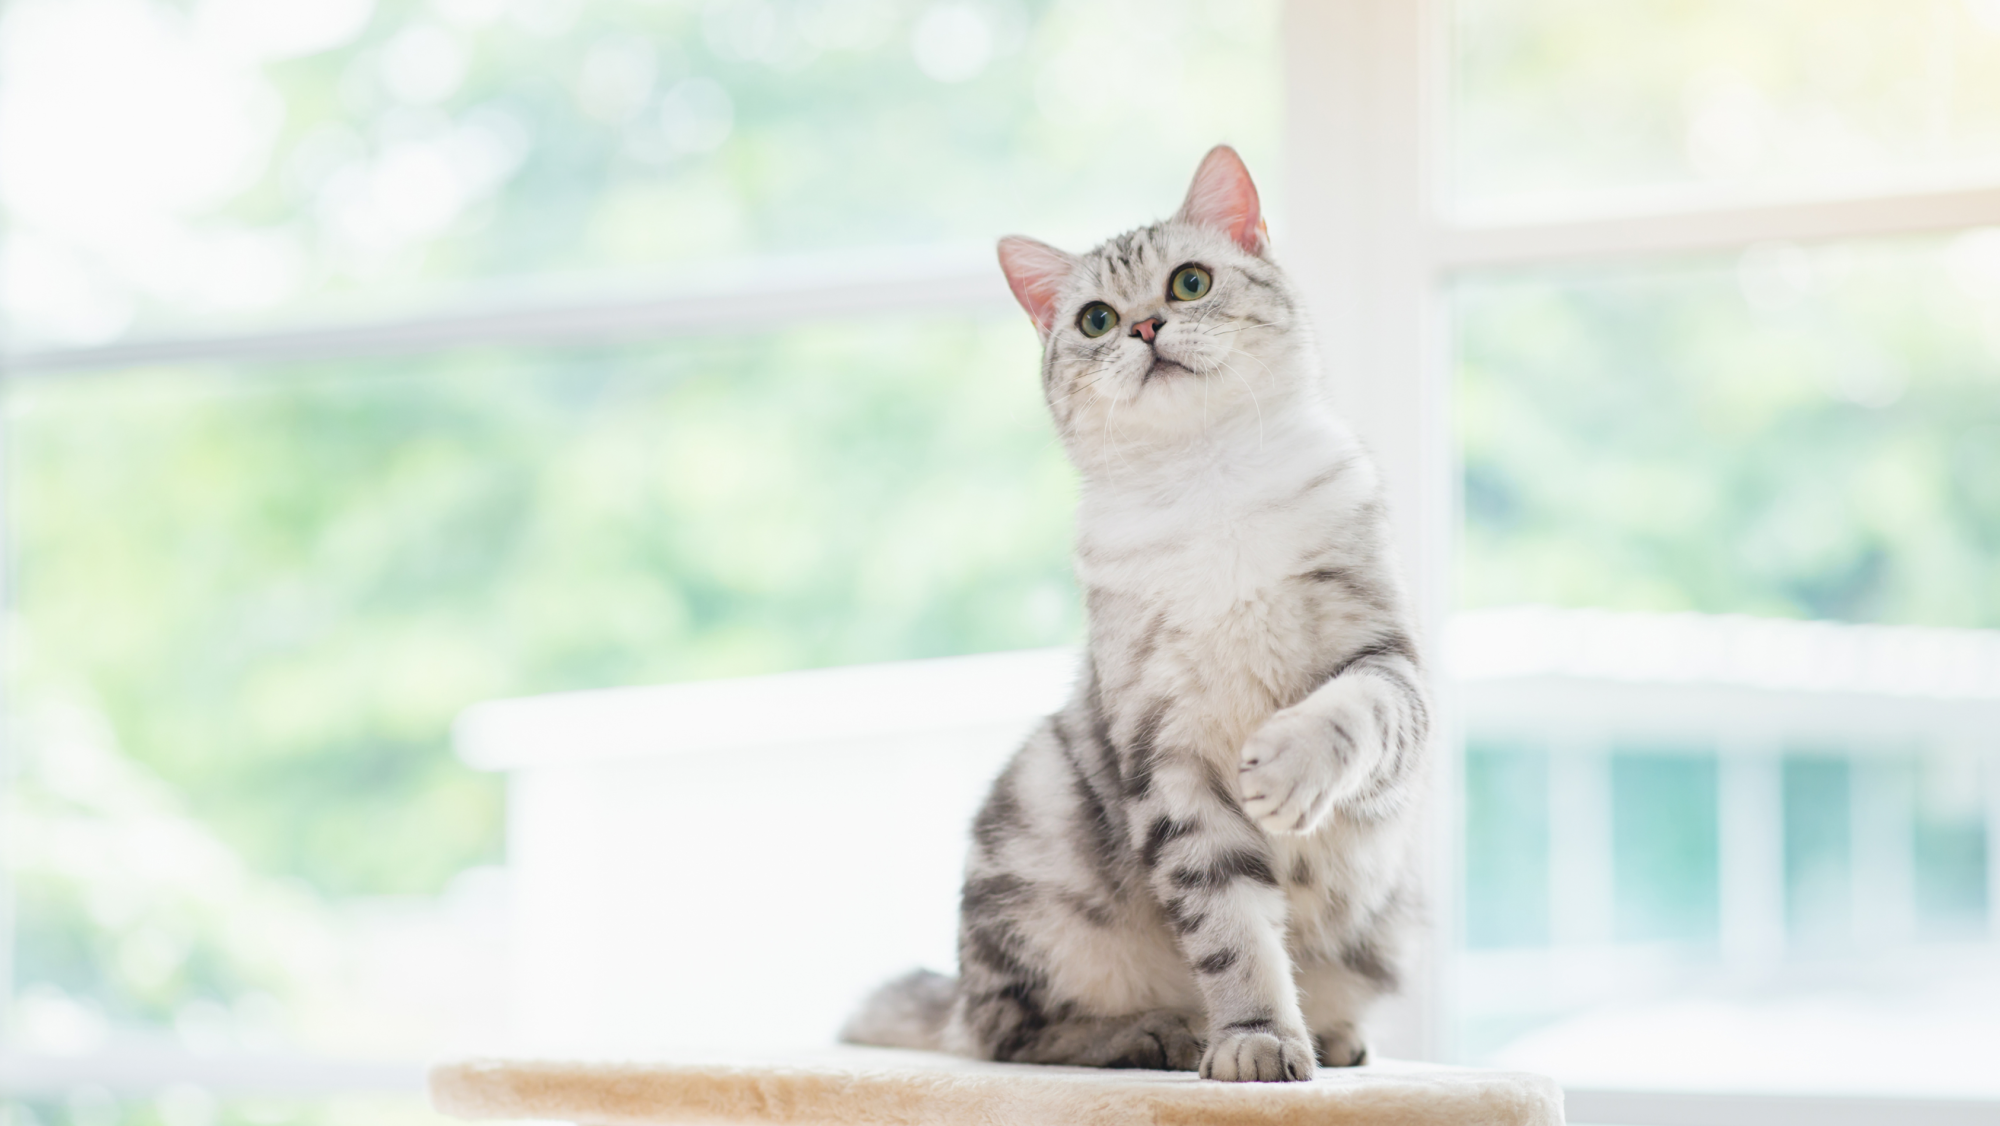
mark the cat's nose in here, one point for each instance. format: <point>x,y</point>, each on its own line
<point>1146,328</point>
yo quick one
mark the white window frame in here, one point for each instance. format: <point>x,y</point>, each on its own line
<point>1373,243</point>
<point>1370,241</point>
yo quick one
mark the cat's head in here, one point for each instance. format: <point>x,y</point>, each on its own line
<point>1169,334</point>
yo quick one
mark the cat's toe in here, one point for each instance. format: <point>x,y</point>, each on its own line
<point>1284,778</point>
<point>1258,1057</point>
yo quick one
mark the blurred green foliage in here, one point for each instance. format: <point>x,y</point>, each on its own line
<point>289,581</point>
<point>453,145</point>
<point>1561,104</point>
<point>1801,433</point>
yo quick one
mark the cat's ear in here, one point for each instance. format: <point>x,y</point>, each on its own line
<point>1223,197</point>
<point>1035,272</point>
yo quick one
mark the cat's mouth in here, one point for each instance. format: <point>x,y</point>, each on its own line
<point>1163,367</point>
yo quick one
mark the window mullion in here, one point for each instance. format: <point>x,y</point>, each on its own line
<point>1361,92</point>
<point>1664,231</point>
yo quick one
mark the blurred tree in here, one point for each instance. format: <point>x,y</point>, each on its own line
<point>282,585</point>
<point>1798,433</point>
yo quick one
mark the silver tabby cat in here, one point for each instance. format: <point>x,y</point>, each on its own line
<point>1205,860</point>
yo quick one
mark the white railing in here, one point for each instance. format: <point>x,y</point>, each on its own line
<point>1579,683</point>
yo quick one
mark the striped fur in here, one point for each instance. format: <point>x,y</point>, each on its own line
<point>1206,859</point>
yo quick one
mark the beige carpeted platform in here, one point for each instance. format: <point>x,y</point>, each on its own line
<point>885,1087</point>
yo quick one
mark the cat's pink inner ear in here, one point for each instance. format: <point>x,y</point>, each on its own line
<point>1223,197</point>
<point>1035,272</point>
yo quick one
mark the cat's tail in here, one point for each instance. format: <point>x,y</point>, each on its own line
<point>908,1012</point>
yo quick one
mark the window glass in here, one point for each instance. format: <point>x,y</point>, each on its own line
<point>177,164</point>
<point>1564,100</point>
<point>250,602</point>
<point>1807,432</point>
<point>1729,643</point>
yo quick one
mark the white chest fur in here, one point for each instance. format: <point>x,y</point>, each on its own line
<point>1193,574</point>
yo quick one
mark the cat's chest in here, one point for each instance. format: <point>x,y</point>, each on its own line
<point>1213,619</point>
<point>1217,576</point>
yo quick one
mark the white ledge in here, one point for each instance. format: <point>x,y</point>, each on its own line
<point>1725,650</point>
<point>1519,670</point>
<point>836,705</point>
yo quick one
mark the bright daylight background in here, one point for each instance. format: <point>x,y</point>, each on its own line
<point>247,601</point>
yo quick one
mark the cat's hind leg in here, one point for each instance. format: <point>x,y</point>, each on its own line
<point>1011,1022</point>
<point>1050,976</point>
<point>1063,958</point>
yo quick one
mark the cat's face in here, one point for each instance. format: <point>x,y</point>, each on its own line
<point>1168,334</point>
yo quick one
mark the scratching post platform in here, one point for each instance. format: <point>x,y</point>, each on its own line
<point>887,1087</point>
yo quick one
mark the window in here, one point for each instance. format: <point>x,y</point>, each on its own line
<point>397,355</point>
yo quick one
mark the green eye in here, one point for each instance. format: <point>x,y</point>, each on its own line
<point>1097,319</point>
<point>1190,282</point>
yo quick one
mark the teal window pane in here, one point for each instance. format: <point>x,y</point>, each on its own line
<point>1506,847</point>
<point>1950,847</point>
<point>1818,851</point>
<point>1664,847</point>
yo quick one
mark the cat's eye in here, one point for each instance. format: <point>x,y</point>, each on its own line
<point>1190,282</point>
<point>1097,319</point>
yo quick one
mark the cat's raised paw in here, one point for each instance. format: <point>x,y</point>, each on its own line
<point>1287,772</point>
<point>1258,1056</point>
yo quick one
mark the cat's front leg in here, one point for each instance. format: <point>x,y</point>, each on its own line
<point>1356,739</point>
<point>1212,871</point>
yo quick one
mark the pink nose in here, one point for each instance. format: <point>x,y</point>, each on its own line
<point>1146,328</point>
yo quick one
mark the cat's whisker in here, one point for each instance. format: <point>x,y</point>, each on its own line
<point>1254,401</point>
<point>1108,416</point>
<point>1204,407</point>
<point>1101,374</point>
<point>1239,328</point>
<point>1065,396</point>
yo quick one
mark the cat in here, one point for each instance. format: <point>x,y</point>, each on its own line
<point>1207,860</point>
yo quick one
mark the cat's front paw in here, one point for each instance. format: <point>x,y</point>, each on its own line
<point>1289,770</point>
<point>1258,1055</point>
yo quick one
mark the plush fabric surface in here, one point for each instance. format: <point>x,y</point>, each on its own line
<point>886,1087</point>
